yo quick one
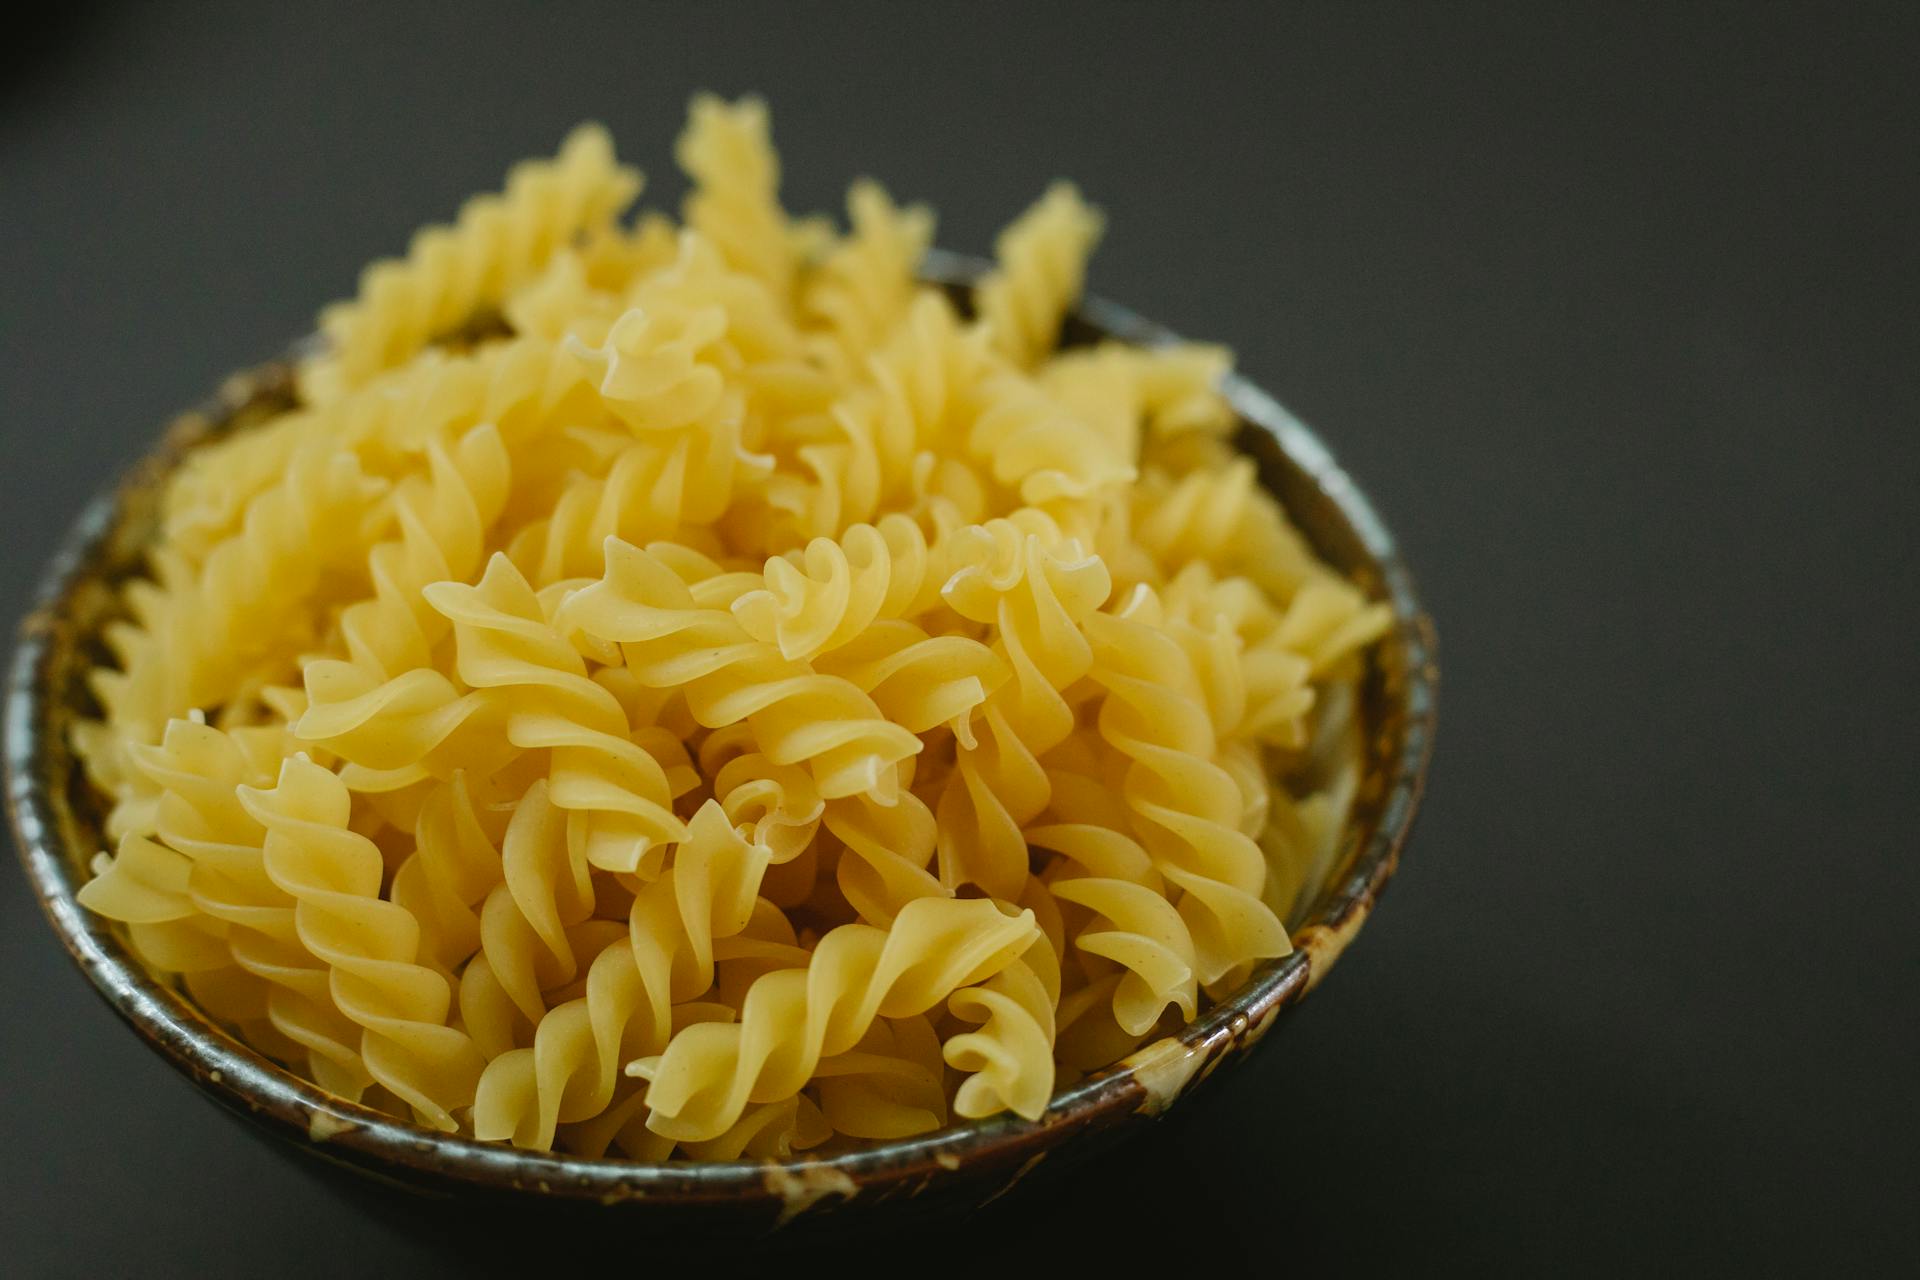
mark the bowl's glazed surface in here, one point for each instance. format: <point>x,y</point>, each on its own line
<point>56,822</point>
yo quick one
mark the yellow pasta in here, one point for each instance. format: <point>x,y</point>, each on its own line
<point>694,691</point>
<point>452,274</point>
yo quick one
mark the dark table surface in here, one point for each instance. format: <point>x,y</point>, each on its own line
<point>1611,308</point>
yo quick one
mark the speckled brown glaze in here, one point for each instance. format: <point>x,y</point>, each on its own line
<point>56,822</point>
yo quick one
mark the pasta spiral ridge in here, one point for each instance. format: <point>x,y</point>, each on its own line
<point>1037,590</point>
<point>1134,924</point>
<point>530,926</point>
<point>888,848</point>
<point>797,715</point>
<point>792,1018</point>
<point>599,772</point>
<point>1222,517</point>
<point>384,707</point>
<point>240,606</point>
<point>454,865</point>
<point>863,288</point>
<point>570,1072</point>
<point>735,202</point>
<point>1008,1060</point>
<point>887,1086</point>
<point>198,769</point>
<point>920,681</point>
<point>369,945</point>
<point>829,593</point>
<point>1186,807</point>
<point>1042,265</point>
<point>452,272</point>
<point>777,804</point>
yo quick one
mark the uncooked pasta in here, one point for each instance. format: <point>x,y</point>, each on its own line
<point>696,691</point>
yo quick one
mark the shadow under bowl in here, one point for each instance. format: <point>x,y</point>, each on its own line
<point>57,823</point>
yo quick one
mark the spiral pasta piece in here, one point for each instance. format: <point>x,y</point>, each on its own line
<point>735,202</point>
<point>1039,448</point>
<point>778,804</point>
<point>863,288</point>
<point>887,851</point>
<point>836,589</point>
<point>1008,1061</point>
<point>369,945</point>
<point>792,1018</point>
<point>452,272</point>
<point>569,1072</point>
<point>920,681</point>
<point>887,1086</point>
<point>599,772</point>
<point>246,603</point>
<point>455,864</point>
<point>1187,808</point>
<point>926,382</point>
<point>384,707</point>
<point>198,770</point>
<point>1134,924</point>
<point>797,715</point>
<point>1037,591</point>
<point>1042,265</point>
<point>529,927</point>
<point>1223,517</point>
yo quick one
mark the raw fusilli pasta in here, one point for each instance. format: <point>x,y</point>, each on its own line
<point>696,692</point>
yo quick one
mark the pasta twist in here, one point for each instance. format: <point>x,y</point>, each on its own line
<point>792,1018</point>
<point>797,715</point>
<point>617,790</point>
<point>778,804</point>
<point>571,1069</point>
<point>520,386</point>
<point>651,370</point>
<point>369,945</point>
<point>890,1085</point>
<point>198,769</point>
<point>1042,265</point>
<point>863,288</point>
<point>1186,807</point>
<point>208,630</point>
<point>530,927</point>
<point>454,865</point>
<point>735,202</point>
<point>451,273</point>
<point>137,701</point>
<point>834,590</point>
<point>887,850</point>
<point>1222,517</point>
<point>1328,621</point>
<point>1134,924</point>
<point>1008,1061</point>
<point>252,583</point>
<point>1036,446</point>
<point>919,681</point>
<point>1037,591</point>
<point>1145,401</point>
<point>384,707</point>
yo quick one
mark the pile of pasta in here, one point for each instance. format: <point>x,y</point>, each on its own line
<point>696,691</point>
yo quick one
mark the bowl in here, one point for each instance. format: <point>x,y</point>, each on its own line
<point>57,823</point>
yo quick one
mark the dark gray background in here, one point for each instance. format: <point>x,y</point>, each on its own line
<point>1610,308</point>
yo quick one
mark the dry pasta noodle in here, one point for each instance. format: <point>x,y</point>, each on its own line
<point>693,691</point>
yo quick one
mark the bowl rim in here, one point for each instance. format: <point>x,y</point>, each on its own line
<point>1140,1086</point>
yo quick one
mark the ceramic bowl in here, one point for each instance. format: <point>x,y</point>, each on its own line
<point>57,823</point>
